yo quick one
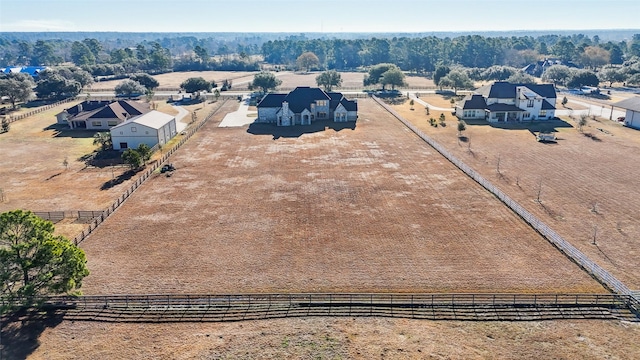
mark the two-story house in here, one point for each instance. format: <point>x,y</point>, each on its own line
<point>503,101</point>
<point>304,105</point>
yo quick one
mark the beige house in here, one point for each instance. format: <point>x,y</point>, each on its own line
<point>100,115</point>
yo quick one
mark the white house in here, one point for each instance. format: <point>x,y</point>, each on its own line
<point>304,105</point>
<point>504,102</point>
<point>632,117</point>
<point>151,128</point>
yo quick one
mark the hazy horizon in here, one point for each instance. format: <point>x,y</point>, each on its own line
<point>314,16</point>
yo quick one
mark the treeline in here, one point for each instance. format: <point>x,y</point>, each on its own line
<point>473,51</point>
<point>105,58</point>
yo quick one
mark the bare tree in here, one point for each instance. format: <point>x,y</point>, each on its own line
<point>582,121</point>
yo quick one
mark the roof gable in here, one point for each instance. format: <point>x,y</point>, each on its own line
<point>349,105</point>
<point>473,101</point>
<point>302,96</point>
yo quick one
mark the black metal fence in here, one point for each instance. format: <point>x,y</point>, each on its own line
<point>56,216</point>
<point>168,308</point>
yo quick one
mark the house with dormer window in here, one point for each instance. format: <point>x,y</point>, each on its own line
<point>304,105</point>
<point>507,102</point>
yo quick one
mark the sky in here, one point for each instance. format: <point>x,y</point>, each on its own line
<point>303,16</point>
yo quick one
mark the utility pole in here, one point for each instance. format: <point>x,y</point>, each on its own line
<point>611,114</point>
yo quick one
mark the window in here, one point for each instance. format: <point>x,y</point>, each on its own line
<point>543,113</point>
<point>526,115</point>
<point>96,123</point>
<point>120,132</point>
<point>112,122</point>
<point>530,103</point>
<point>146,133</point>
<point>124,145</point>
<point>322,115</point>
<point>134,129</point>
<point>321,102</point>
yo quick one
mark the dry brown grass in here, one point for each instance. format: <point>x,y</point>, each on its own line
<point>241,78</point>
<point>366,209</point>
<point>174,79</point>
<point>576,173</point>
<point>33,177</point>
<point>341,338</point>
<point>32,174</point>
<point>369,209</point>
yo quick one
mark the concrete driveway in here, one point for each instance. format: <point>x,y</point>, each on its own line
<point>182,112</point>
<point>240,117</point>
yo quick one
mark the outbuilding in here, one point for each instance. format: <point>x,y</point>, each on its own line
<point>632,117</point>
<point>152,128</point>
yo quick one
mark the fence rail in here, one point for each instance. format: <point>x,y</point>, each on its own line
<point>120,200</point>
<point>56,216</point>
<point>229,307</point>
<point>12,118</point>
<point>603,276</point>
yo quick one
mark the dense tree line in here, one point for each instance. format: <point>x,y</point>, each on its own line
<point>419,54</point>
<point>472,51</point>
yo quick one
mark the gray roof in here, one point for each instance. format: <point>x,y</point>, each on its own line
<point>92,109</point>
<point>547,105</point>
<point>474,101</point>
<point>506,90</point>
<point>272,100</point>
<point>153,119</point>
<point>302,96</point>
<point>632,103</point>
<point>503,107</point>
<point>349,105</point>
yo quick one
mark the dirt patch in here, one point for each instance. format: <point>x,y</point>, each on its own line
<point>333,210</point>
<point>350,80</point>
<point>338,338</point>
<point>577,173</point>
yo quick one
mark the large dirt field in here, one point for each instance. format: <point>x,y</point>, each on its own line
<point>240,79</point>
<point>587,182</point>
<point>365,209</point>
<point>335,338</point>
<point>368,209</point>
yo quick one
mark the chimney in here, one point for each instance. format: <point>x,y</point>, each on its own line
<point>125,115</point>
<point>80,107</point>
